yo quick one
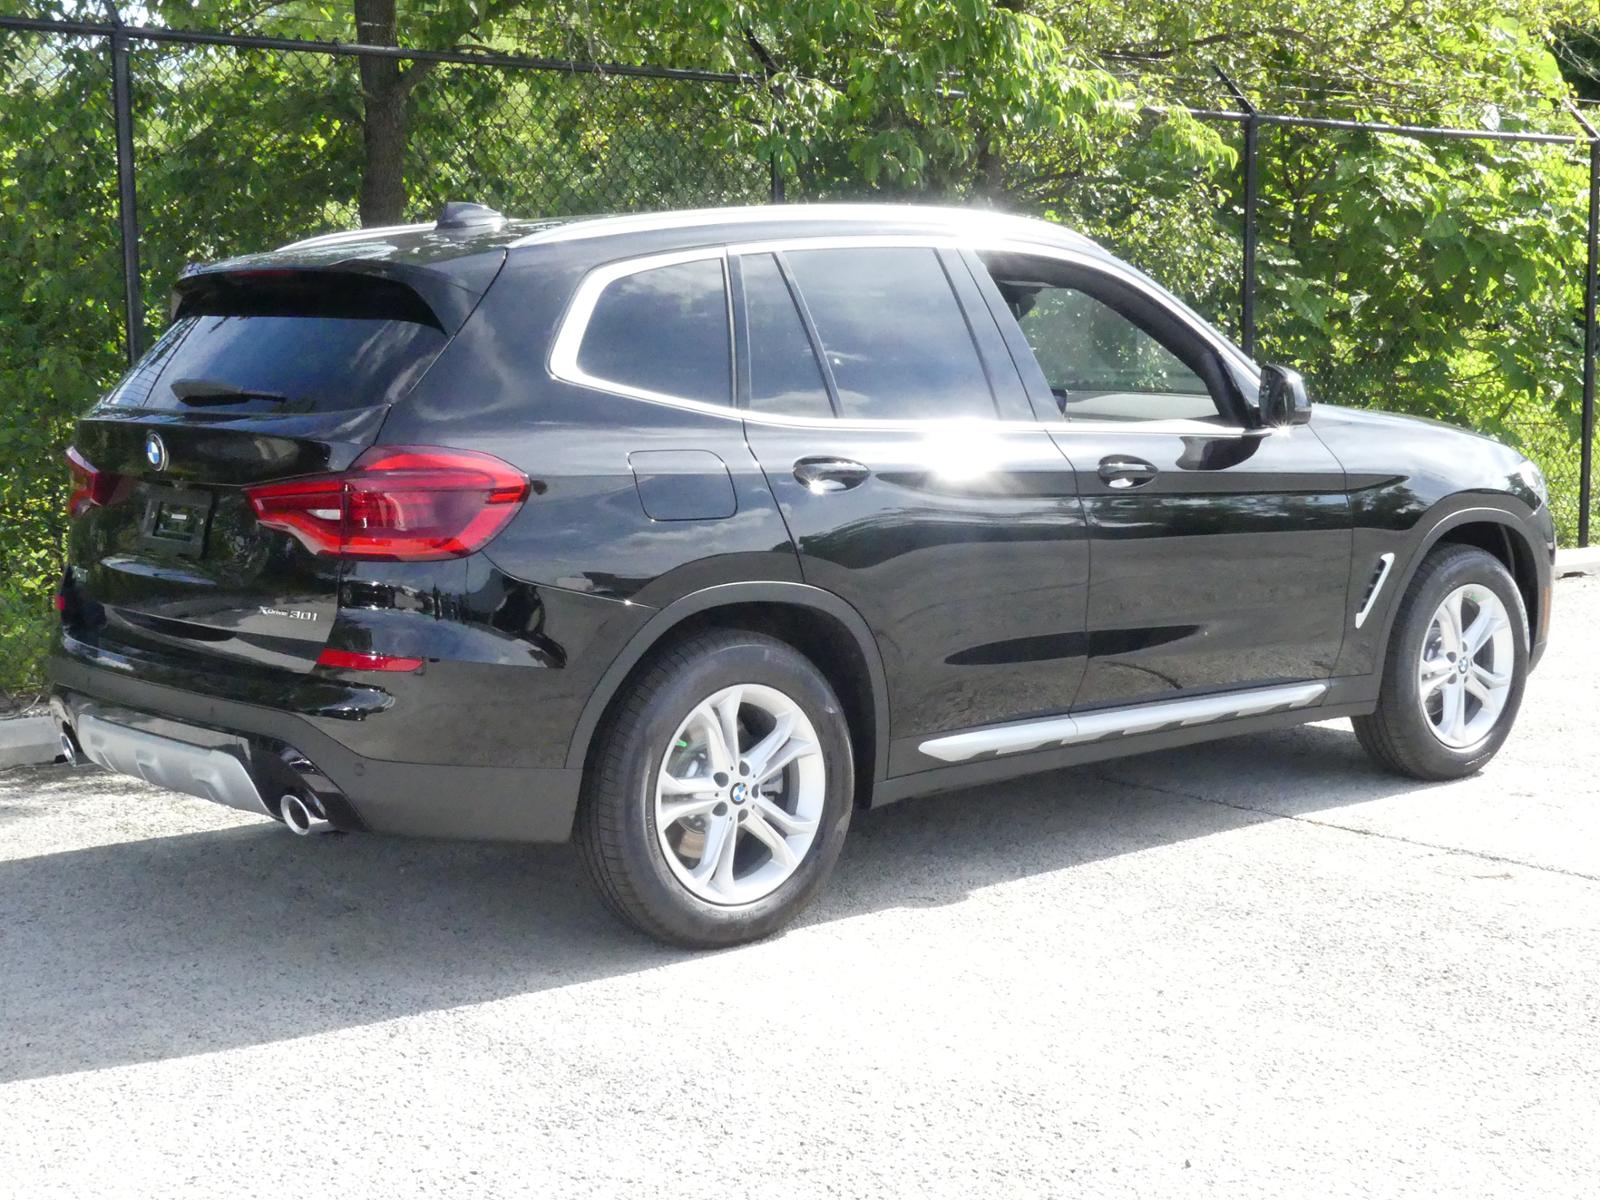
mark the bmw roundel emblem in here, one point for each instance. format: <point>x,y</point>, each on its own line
<point>155,451</point>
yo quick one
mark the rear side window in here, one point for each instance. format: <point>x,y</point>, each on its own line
<point>663,330</point>
<point>894,336</point>
<point>784,374</point>
<point>287,345</point>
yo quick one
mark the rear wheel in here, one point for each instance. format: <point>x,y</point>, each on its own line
<point>719,796</point>
<point>1454,673</point>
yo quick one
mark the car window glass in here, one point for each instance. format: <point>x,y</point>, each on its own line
<point>1100,365</point>
<point>784,374</point>
<point>665,330</point>
<point>893,334</point>
<point>289,342</point>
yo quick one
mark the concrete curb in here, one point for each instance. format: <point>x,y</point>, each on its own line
<point>1578,562</point>
<point>27,741</point>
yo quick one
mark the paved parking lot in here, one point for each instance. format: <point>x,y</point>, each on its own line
<point>1258,968</point>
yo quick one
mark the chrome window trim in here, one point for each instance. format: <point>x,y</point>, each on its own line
<point>1051,733</point>
<point>563,359</point>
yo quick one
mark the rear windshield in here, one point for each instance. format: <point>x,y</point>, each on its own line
<point>297,345</point>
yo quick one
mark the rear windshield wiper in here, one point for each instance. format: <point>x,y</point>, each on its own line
<point>212,391</point>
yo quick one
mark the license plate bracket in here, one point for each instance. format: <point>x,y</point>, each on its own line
<point>175,521</point>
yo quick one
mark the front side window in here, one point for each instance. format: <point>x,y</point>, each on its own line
<point>893,333</point>
<point>664,330</point>
<point>1104,356</point>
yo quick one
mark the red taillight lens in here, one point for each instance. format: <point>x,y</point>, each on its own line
<point>355,660</point>
<point>410,503</point>
<point>90,487</point>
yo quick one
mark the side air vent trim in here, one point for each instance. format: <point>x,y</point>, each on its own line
<point>1380,574</point>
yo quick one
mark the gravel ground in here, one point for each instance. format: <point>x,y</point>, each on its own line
<point>1258,968</point>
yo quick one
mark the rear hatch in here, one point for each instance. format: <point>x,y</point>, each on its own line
<point>264,374</point>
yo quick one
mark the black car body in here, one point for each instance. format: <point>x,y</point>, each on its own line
<point>825,423</point>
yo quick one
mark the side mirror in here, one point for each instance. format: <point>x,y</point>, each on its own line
<point>1283,397</point>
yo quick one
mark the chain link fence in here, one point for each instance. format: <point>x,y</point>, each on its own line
<point>231,144</point>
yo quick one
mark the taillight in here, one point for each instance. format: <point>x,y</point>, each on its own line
<point>410,503</point>
<point>91,488</point>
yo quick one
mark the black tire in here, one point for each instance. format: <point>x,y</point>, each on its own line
<point>616,817</point>
<point>1397,735</point>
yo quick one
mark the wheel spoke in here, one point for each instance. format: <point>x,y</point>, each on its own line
<point>761,753</point>
<point>1433,674</point>
<point>716,860</point>
<point>783,821</point>
<point>756,826</point>
<point>727,710</point>
<point>1490,678</point>
<point>1484,626</point>
<point>717,751</point>
<point>676,785</point>
<point>1453,714</point>
<point>1451,626</point>
<point>796,748</point>
<point>674,811</point>
<point>1473,686</point>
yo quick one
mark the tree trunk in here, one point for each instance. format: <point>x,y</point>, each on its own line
<point>990,167</point>
<point>385,97</point>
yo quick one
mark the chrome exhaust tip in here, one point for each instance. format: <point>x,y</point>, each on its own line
<point>303,817</point>
<point>68,745</point>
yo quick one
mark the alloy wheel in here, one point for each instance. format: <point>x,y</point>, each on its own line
<point>740,793</point>
<point>1465,672</point>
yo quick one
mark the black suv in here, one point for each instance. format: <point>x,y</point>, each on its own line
<point>689,533</point>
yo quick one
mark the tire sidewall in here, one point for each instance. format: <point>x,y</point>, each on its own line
<point>1460,568</point>
<point>757,661</point>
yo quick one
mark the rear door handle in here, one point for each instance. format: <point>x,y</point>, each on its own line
<point>822,475</point>
<point>1124,471</point>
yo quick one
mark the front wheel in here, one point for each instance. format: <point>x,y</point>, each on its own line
<point>1454,673</point>
<point>719,796</point>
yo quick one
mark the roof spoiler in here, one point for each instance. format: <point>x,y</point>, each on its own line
<point>437,298</point>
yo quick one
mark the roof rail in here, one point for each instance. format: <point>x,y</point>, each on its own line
<point>352,235</point>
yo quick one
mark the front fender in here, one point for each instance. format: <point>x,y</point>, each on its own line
<point>1532,547</point>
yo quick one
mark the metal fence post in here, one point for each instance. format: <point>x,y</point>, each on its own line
<point>1591,295</point>
<point>1591,270</point>
<point>1247,280</point>
<point>127,195</point>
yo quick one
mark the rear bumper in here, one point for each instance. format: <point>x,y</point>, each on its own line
<point>173,737</point>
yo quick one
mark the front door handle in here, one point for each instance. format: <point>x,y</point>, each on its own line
<point>822,475</point>
<point>1123,471</point>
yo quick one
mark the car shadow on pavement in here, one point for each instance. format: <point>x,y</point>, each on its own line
<point>174,946</point>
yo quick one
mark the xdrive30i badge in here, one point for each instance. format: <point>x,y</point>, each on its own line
<point>292,614</point>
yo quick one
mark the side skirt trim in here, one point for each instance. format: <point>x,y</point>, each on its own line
<point>1051,732</point>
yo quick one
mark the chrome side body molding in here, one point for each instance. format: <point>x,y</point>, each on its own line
<point>1052,732</point>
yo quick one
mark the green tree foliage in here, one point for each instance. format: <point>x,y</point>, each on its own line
<point>1441,278</point>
